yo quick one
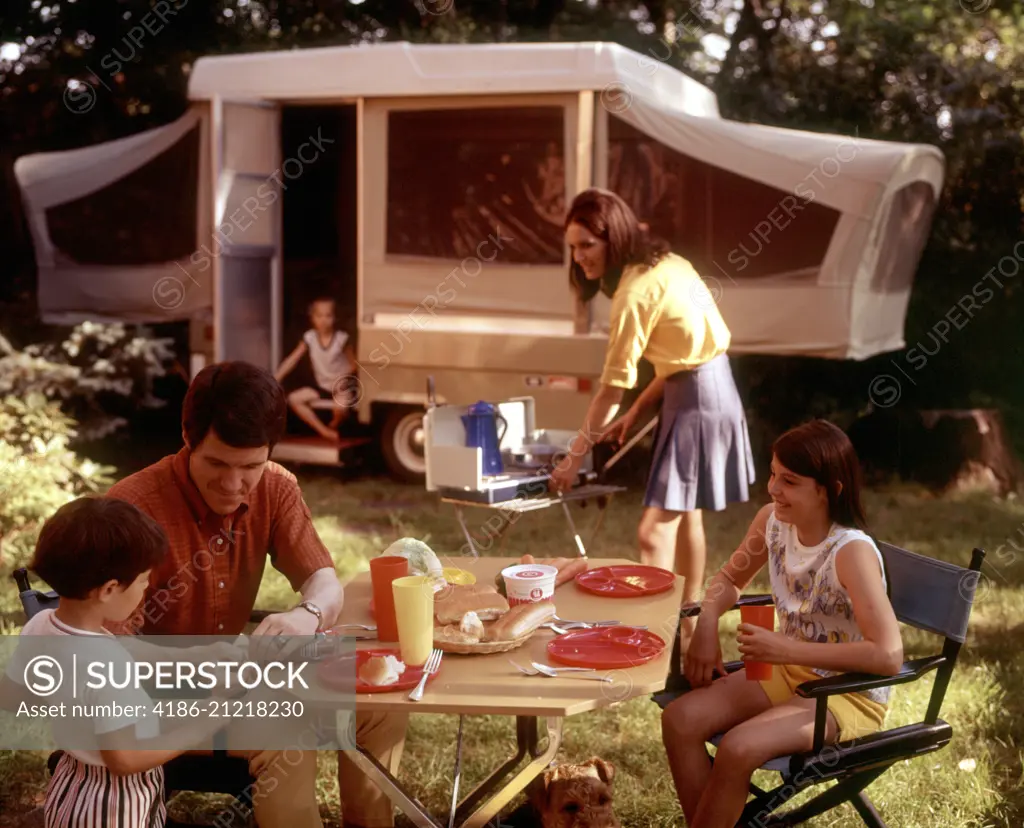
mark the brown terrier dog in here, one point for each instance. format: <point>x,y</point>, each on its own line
<point>575,796</point>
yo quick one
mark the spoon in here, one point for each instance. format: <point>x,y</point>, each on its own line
<point>532,671</point>
<point>544,670</point>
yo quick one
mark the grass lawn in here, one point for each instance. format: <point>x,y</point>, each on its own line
<point>976,781</point>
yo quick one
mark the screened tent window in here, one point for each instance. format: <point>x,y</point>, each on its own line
<point>148,216</point>
<point>455,175</point>
<point>904,238</point>
<point>724,223</point>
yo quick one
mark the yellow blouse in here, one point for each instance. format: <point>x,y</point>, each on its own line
<point>667,314</point>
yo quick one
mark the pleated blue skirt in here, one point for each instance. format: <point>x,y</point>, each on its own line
<point>702,457</point>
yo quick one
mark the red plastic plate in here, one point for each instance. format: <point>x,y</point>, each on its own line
<point>606,648</point>
<point>339,672</point>
<point>626,581</point>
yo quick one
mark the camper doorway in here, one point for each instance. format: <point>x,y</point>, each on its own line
<point>320,252</point>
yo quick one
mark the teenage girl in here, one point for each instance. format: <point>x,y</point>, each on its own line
<point>833,616</point>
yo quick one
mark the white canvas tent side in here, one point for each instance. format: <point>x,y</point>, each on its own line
<point>114,224</point>
<point>809,242</point>
<point>850,305</point>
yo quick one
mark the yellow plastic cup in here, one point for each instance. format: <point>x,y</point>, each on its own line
<point>414,612</point>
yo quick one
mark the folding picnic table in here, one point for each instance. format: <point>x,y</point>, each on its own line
<point>488,685</point>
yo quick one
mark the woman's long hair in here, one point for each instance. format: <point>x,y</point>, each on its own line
<point>610,219</point>
<point>822,451</point>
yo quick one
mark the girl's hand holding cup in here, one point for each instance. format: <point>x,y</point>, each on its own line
<point>759,645</point>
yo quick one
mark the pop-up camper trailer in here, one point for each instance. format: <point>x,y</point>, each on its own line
<point>424,187</point>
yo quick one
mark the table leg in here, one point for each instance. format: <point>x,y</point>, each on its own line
<point>465,531</point>
<point>483,814</point>
<point>526,742</point>
<point>480,809</point>
<point>407,804</point>
<point>575,532</point>
<point>458,775</point>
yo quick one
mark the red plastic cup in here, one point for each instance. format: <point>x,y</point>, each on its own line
<point>759,617</point>
<point>383,570</point>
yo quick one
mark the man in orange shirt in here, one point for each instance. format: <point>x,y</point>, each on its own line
<point>225,509</point>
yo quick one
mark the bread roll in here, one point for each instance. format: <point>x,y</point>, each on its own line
<point>381,670</point>
<point>453,635</point>
<point>459,600</point>
<point>521,620</point>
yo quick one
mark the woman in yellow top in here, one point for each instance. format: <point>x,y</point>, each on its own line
<point>661,310</point>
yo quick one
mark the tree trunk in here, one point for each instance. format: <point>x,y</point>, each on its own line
<point>946,450</point>
<point>971,449</point>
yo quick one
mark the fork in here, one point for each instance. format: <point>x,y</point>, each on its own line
<point>566,622</point>
<point>432,666</point>
<point>556,672</point>
<point>552,672</point>
<point>371,627</point>
<point>565,627</point>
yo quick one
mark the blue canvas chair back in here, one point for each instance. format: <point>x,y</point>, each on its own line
<point>928,594</point>
<point>936,597</point>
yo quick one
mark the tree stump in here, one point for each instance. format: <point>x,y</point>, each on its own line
<point>945,450</point>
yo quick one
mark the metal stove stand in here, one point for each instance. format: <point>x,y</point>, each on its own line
<point>512,509</point>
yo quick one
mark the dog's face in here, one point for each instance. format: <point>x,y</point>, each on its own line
<point>576,796</point>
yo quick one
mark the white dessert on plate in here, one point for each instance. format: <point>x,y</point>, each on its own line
<point>381,670</point>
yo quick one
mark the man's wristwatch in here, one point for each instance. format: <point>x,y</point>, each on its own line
<point>309,606</point>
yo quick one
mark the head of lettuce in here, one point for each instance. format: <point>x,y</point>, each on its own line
<point>422,560</point>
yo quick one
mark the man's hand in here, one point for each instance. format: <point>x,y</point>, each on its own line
<point>280,634</point>
<point>220,651</point>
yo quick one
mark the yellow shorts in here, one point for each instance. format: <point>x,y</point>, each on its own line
<point>855,714</point>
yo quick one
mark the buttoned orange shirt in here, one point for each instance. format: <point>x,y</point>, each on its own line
<point>208,583</point>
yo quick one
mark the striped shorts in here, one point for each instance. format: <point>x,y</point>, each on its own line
<point>90,796</point>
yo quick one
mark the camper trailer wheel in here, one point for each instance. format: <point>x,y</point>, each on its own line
<point>401,443</point>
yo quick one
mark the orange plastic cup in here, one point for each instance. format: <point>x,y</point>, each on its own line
<point>384,570</point>
<point>760,617</point>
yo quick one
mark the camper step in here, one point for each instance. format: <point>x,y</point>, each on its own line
<point>314,449</point>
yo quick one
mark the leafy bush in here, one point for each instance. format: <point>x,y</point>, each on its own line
<point>38,472</point>
<point>101,374</point>
<point>53,394</point>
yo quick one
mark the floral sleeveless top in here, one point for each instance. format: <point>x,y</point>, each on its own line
<point>811,604</point>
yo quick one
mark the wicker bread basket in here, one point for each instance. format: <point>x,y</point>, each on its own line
<point>480,648</point>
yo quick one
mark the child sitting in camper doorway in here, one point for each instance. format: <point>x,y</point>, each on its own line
<point>320,368</point>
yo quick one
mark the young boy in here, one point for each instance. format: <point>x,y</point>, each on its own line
<point>97,553</point>
<point>325,374</point>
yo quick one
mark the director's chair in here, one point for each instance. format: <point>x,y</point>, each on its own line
<point>925,593</point>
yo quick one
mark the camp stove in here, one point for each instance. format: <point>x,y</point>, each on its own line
<point>528,455</point>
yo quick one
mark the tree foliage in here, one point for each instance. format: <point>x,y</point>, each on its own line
<point>940,72</point>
